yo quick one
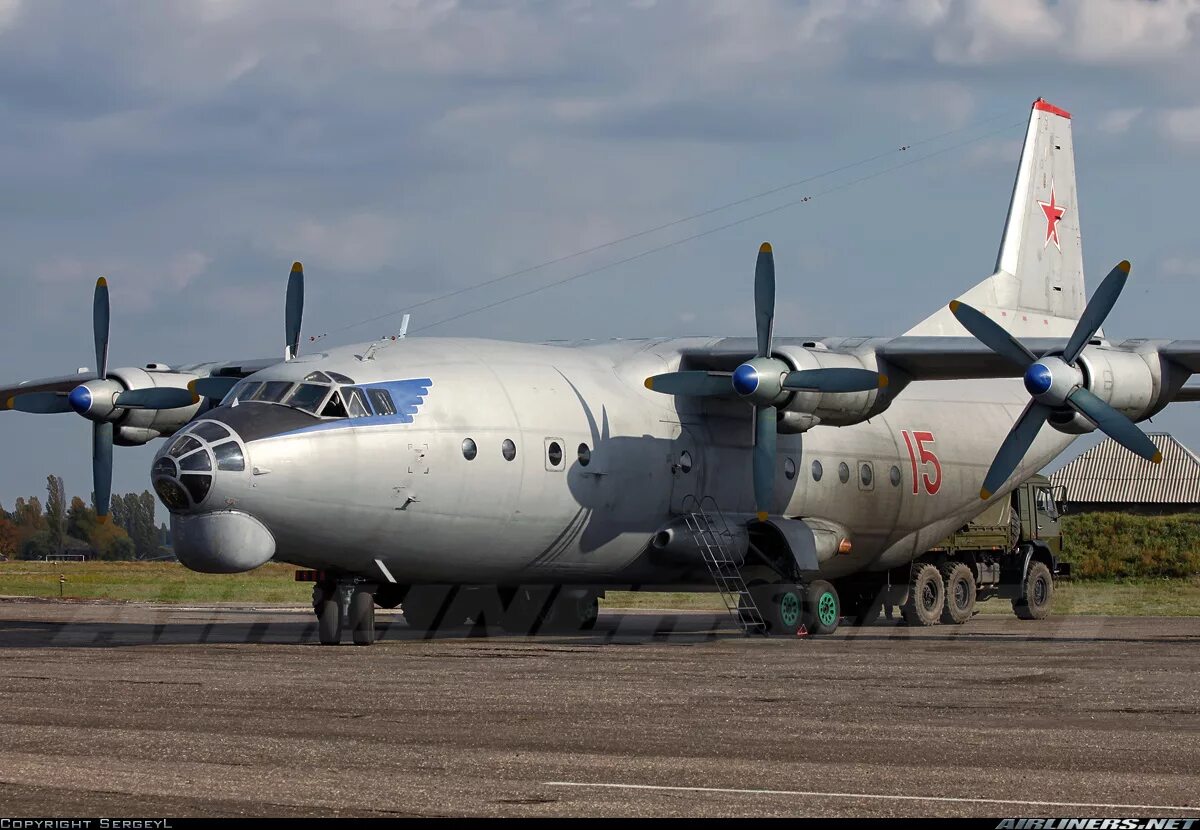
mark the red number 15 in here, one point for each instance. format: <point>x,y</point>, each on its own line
<point>918,453</point>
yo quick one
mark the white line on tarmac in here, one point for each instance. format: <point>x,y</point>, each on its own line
<point>875,796</point>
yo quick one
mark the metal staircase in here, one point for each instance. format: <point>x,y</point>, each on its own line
<point>714,539</point>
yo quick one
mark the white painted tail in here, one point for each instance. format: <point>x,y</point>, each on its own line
<point>1037,289</point>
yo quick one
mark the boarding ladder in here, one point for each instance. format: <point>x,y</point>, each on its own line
<point>714,539</point>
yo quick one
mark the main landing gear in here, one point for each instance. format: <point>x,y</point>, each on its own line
<point>787,607</point>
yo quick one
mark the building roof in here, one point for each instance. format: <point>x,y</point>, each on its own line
<point>1110,473</point>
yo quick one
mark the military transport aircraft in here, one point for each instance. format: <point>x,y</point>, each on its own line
<point>804,477</point>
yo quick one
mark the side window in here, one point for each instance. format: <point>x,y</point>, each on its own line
<point>381,402</point>
<point>356,402</point>
<point>1045,503</point>
<point>554,454</point>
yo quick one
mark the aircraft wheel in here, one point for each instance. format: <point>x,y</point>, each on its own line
<point>574,611</point>
<point>329,615</point>
<point>1036,594</point>
<point>361,617</point>
<point>960,593</point>
<point>822,607</point>
<point>926,596</point>
<point>781,606</point>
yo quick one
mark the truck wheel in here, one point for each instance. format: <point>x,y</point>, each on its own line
<point>822,608</point>
<point>781,606</point>
<point>329,615</point>
<point>1036,594</point>
<point>361,616</point>
<point>926,596</point>
<point>960,593</point>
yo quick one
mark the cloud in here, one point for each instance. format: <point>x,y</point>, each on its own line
<point>1181,125</point>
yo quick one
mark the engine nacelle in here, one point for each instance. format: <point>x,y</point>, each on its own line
<point>1130,382</point>
<point>801,410</point>
<point>139,426</point>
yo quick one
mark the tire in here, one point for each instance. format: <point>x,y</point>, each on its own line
<point>781,607</point>
<point>573,612</point>
<point>329,616</point>
<point>360,615</point>
<point>1037,593</point>
<point>961,593</point>
<point>926,596</point>
<point>822,607</point>
<point>423,605</point>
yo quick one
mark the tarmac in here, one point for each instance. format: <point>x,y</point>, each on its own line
<point>140,710</point>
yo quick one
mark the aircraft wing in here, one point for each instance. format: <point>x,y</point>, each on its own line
<point>1184,352</point>
<point>64,383</point>
<point>956,358</point>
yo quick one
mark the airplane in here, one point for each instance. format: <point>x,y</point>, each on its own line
<point>514,483</point>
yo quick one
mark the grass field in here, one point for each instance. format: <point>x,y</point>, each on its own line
<point>273,584</point>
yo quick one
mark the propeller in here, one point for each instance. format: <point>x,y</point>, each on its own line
<point>293,311</point>
<point>763,381</point>
<point>1055,382</point>
<point>100,401</point>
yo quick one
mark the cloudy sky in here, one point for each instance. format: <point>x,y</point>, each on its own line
<point>404,150</point>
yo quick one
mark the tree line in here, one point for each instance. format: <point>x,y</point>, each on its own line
<point>31,531</point>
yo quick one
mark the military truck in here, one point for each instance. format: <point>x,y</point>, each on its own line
<point>1009,551</point>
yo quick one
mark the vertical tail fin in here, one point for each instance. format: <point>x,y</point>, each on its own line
<point>1038,285</point>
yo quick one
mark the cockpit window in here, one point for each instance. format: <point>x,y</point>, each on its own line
<point>356,402</point>
<point>339,377</point>
<point>242,392</point>
<point>273,391</point>
<point>307,396</point>
<point>381,402</point>
<point>317,377</point>
<point>335,408</point>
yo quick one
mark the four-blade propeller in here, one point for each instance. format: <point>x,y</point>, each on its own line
<point>764,381</point>
<point>101,400</point>
<point>1055,382</point>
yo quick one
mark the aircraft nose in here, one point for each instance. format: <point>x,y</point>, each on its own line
<point>198,467</point>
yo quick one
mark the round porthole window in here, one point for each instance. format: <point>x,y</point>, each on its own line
<point>866,474</point>
<point>844,472</point>
<point>685,461</point>
<point>894,475</point>
<point>817,470</point>
<point>789,469</point>
<point>509,449</point>
<point>554,454</point>
<point>469,449</point>
<point>585,455</point>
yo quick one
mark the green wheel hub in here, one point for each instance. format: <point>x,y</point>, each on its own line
<point>827,609</point>
<point>789,608</point>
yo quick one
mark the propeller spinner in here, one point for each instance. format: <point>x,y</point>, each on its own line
<point>763,381</point>
<point>1055,382</point>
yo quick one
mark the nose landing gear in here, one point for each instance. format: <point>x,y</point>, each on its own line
<point>341,605</point>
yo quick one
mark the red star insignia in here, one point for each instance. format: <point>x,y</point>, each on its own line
<point>1053,212</point>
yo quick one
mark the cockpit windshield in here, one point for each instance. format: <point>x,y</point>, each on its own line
<point>320,393</point>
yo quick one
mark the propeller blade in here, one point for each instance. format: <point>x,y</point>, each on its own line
<point>293,311</point>
<point>215,387</point>
<point>102,466</point>
<point>692,384</point>
<point>1016,444</point>
<point>835,380</point>
<point>155,397</point>
<point>40,403</point>
<point>1113,424</point>
<point>764,298</point>
<point>764,460</point>
<point>1097,309</point>
<point>100,314</point>
<point>990,333</point>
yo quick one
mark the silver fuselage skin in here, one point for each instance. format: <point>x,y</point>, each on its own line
<point>339,495</point>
